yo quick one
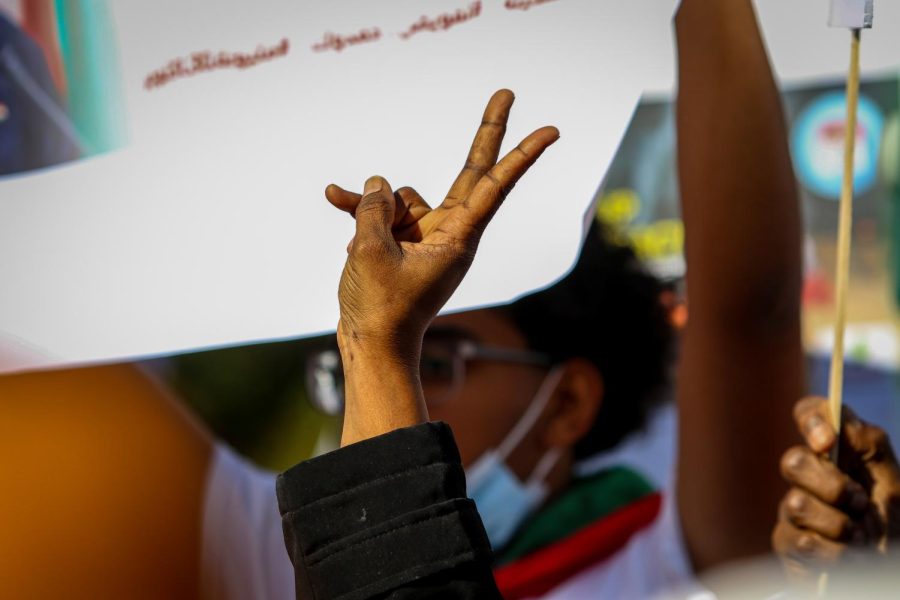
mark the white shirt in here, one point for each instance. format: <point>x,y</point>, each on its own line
<point>243,554</point>
<point>653,564</point>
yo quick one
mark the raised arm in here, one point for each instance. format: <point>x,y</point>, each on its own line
<point>386,516</point>
<point>742,365</point>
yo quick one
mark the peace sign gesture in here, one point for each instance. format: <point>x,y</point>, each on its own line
<point>406,259</point>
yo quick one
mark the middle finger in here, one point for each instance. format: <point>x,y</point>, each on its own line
<point>485,148</point>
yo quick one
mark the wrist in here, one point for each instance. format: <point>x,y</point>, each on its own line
<point>361,346</point>
<point>382,390</point>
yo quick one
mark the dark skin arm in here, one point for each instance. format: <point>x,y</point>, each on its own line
<point>742,366</point>
<point>404,263</point>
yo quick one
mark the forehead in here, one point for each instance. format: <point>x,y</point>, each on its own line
<point>487,326</point>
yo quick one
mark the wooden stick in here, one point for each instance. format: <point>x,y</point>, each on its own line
<point>845,232</point>
<point>842,270</point>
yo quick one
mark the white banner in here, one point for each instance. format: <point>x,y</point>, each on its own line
<point>208,225</point>
<point>802,47</point>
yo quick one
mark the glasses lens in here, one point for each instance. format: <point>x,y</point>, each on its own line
<point>438,371</point>
<point>325,381</point>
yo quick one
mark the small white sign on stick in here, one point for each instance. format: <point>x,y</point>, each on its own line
<point>853,14</point>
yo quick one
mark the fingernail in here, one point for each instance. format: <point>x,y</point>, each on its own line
<point>860,501</point>
<point>819,432</point>
<point>373,185</point>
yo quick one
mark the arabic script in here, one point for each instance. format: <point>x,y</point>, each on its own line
<point>524,4</point>
<point>336,42</point>
<point>443,21</point>
<point>205,61</point>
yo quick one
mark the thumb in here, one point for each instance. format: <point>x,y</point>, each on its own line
<point>868,443</point>
<point>375,212</point>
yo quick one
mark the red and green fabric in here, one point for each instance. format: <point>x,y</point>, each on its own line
<point>588,523</point>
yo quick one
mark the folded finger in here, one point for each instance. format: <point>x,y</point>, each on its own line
<point>485,147</point>
<point>813,419</point>
<point>801,467</point>
<point>805,546</point>
<point>806,511</point>
<point>342,199</point>
<point>410,207</point>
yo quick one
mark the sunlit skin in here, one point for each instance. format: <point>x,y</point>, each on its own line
<point>495,394</point>
<point>829,512</point>
<point>741,362</point>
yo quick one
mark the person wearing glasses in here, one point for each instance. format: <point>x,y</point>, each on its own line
<point>585,359</point>
<point>530,388</point>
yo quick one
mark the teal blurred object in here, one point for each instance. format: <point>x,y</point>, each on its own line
<point>90,54</point>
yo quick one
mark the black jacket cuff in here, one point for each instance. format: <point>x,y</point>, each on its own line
<point>377,515</point>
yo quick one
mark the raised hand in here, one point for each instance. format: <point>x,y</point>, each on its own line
<point>833,508</point>
<point>406,260</point>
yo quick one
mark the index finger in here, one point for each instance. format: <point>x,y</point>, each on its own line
<point>485,147</point>
<point>492,189</point>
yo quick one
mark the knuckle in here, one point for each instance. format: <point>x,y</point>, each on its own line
<point>807,405</point>
<point>408,193</point>
<point>474,166</point>
<point>806,544</point>
<point>369,247</point>
<point>797,504</point>
<point>373,203</point>
<point>523,152</point>
<point>843,527</point>
<point>793,462</point>
<point>837,489</point>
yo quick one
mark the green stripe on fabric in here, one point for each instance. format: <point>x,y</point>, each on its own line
<point>585,501</point>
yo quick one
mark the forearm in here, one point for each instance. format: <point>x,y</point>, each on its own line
<point>382,389</point>
<point>739,199</point>
<point>741,363</point>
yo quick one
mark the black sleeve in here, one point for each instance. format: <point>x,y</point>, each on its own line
<point>386,518</point>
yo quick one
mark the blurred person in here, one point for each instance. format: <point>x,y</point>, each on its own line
<point>115,491</point>
<point>530,388</point>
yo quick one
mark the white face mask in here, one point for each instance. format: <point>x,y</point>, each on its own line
<point>503,501</point>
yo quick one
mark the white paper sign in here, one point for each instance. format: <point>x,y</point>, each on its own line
<point>803,49</point>
<point>209,227</point>
<point>855,14</point>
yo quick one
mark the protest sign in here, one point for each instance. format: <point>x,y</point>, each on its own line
<point>198,218</point>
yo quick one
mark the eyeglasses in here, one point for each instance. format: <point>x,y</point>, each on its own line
<point>442,370</point>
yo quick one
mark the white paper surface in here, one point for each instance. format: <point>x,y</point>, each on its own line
<point>803,48</point>
<point>855,14</point>
<point>210,227</point>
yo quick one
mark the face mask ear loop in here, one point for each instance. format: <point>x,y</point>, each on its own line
<point>544,466</point>
<point>532,413</point>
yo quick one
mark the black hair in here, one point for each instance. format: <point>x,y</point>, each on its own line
<point>606,310</point>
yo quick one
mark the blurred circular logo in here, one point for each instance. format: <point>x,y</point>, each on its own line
<point>818,145</point>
